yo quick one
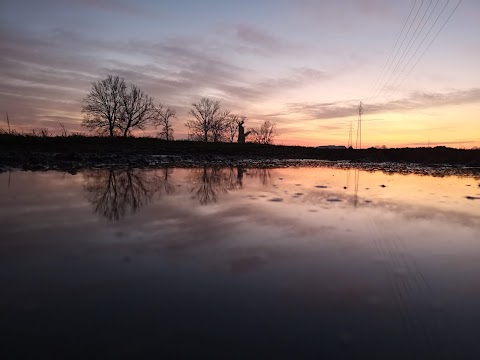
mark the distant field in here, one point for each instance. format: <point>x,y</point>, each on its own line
<point>20,150</point>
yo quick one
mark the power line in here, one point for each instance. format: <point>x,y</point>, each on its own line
<point>418,48</point>
<point>426,49</point>
<point>391,52</point>
<point>391,74</point>
<point>410,44</point>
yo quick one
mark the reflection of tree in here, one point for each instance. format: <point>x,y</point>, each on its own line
<point>117,192</point>
<point>167,186</point>
<point>262,174</point>
<point>208,183</point>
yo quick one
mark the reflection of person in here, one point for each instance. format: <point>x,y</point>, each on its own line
<point>241,133</point>
<point>240,176</point>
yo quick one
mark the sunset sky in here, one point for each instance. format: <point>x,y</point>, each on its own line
<point>303,64</point>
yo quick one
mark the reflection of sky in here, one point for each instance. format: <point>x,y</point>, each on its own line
<point>327,262</point>
<point>304,64</point>
<point>301,202</point>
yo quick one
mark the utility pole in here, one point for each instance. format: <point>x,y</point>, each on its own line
<point>359,126</point>
<point>8,123</point>
<point>349,145</point>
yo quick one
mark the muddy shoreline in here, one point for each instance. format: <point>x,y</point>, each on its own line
<point>73,163</point>
<point>74,153</point>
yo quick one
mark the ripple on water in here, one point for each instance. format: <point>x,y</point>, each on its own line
<point>276,200</point>
<point>321,187</point>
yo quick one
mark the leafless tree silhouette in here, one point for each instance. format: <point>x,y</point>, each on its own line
<point>205,114</point>
<point>137,109</point>
<point>231,126</point>
<point>219,126</point>
<point>164,119</point>
<point>265,133</point>
<point>103,104</point>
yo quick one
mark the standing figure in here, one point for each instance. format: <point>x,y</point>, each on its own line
<point>241,133</point>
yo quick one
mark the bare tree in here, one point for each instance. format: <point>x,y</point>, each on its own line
<point>219,126</point>
<point>265,133</point>
<point>64,130</point>
<point>137,110</point>
<point>102,105</point>
<point>205,113</point>
<point>164,118</point>
<point>231,125</point>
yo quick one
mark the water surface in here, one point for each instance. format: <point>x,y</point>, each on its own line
<point>239,263</point>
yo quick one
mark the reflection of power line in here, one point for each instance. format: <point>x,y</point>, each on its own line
<point>357,181</point>
<point>428,329</point>
<point>348,179</point>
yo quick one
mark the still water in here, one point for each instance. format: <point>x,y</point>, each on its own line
<point>295,263</point>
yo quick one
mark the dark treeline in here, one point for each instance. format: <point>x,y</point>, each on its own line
<point>116,108</point>
<point>77,152</point>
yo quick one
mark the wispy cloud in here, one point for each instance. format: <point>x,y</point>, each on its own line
<point>416,101</point>
<point>250,38</point>
<point>109,6</point>
<point>54,69</point>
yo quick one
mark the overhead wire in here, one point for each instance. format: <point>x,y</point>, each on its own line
<point>419,46</point>
<point>410,43</point>
<point>426,49</point>
<point>374,89</point>
<point>390,93</point>
<point>391,74</point>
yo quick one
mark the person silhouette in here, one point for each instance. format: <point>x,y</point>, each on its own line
<point>241,133</point>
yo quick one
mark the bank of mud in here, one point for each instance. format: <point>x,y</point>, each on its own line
<point>73,153</point>
<point>74,162</point>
